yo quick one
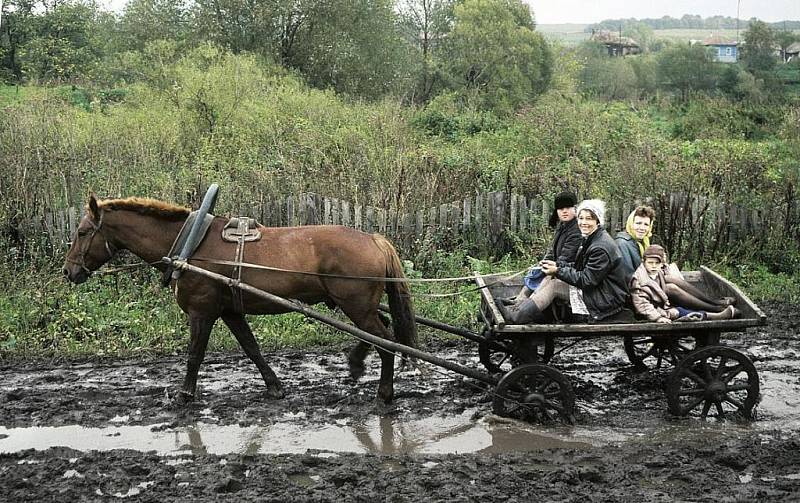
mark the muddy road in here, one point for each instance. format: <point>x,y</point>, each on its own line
<point>110,430</point>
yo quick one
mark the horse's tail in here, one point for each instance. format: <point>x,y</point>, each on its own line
<point>404,325</point>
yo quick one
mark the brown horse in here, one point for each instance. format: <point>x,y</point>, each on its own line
<point>148,228</point>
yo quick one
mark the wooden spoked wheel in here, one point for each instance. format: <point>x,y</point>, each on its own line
<point>536,393</point>
<point>713,381</point>
<point>657,351</point>
<point>501,356</point>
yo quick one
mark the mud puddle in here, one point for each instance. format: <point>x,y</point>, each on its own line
<point>90,431</point>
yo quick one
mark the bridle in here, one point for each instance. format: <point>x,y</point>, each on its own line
<point>110,249</point>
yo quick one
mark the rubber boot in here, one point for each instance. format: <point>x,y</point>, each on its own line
<point>729,313</point>
<point>522,295</point>
<point>523,313</point>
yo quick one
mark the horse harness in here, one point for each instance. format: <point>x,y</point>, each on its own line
<point>110,248</point>
<point>240,230</point>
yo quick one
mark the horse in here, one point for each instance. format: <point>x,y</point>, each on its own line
<point>148,227</point>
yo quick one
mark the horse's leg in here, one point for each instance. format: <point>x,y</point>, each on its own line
<point>241,330</point>
<point>355,359</point>
<point>200,331</point>
<point>356,356</point>
<point>367,319</point>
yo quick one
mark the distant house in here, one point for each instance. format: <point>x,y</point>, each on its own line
<point>615,44</point>
<point>727,51</point>
<point>792,52</point>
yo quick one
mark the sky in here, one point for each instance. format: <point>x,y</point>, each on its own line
<point>584,12</point>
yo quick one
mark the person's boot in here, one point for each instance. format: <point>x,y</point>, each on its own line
<point>728,313</point>
<point>522,295</point>
<point>523,313</point>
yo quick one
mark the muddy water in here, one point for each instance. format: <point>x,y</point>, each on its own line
<point>85,431</point>
<point>615,405</point>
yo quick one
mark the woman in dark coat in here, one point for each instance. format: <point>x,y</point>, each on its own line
<point>595,284</point>
<point>566,241</point>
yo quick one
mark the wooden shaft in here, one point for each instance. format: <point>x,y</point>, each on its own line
<point>444,327</point>
<point>356,332</point>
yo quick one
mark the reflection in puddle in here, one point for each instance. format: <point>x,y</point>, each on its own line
<point>379,435</point>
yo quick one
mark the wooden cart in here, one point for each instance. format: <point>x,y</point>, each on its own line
<point>708,378</point>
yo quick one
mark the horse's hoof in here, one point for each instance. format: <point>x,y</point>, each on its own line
<point>386,397</point>
<point>275,392</point>
<point>356,371</point>
<point>184,398</point>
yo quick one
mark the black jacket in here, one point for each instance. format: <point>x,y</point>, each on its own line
<point>566,241</point>
<point>599,273</point>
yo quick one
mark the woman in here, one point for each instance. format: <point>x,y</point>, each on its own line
<point>636,237</point>
<point>566,241</point>
<point>657,298</point>
<point>594,284</point>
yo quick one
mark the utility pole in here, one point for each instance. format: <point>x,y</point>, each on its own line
<point>738,3</point>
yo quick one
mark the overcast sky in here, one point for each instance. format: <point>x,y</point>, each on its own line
<point>587,11</point>
<point>583,11</point>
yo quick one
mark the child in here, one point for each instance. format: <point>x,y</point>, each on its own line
<point>649,292</point>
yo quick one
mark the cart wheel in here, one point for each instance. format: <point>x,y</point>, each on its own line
<point>716,380</point>
<point>500,357</point>
<point>646,351</point>
<point>495,356</point>
<point>535,392</point>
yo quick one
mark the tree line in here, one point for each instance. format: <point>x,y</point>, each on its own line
<point>486,51</point>
<point>689,21</point>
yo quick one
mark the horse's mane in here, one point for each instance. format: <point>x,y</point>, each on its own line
<point>146,206</point>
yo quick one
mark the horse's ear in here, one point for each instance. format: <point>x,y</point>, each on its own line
<point>93,208</point>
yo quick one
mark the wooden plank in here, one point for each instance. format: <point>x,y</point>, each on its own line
<point>407,230</point>
<point>391,222</point>
<point>522,204</point>
<point>443,221</point>
<point>513,217</point>
<point>488,301</point>
<point>291,218</point>
<point>358,223</point>
<point>369,220</point>
<point>722,286</point>
<point>479,212</point>
<point>326,211</point>
<point>381,213</point>
<point>420,223</point>
<point>346,221</point>
<point>72,216</point>
<point>497,214</point>
<point>335,212</point>
<point>467,221</point>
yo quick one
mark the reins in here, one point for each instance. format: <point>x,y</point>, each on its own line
<point>506,275</point>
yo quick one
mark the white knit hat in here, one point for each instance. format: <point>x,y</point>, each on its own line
<point>596,206</point>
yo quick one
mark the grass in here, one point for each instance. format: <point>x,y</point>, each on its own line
<point>42,315</point>
<point>129,314</point>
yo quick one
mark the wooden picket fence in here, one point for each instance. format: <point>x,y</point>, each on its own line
<point>690,226</point>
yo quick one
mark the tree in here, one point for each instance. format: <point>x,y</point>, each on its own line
<point>495,55</point>
<point>605,77</point>
<point>352,46</point>
<point>59,42</point>
<point>145,21</point>
<point>641,33</point>
<point>686,68</point>
<point>758,50</point>
<point>425,24</point>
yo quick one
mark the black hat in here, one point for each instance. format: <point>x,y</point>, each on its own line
<point>566,199</point>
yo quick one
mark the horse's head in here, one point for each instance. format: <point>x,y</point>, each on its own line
<point>90,249</point>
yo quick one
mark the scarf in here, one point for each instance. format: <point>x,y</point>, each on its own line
<point>645,242</point>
